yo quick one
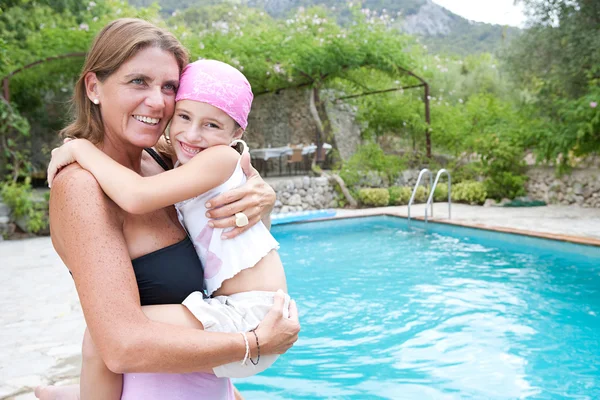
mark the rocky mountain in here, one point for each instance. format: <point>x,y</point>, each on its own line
<point>445,31</point>
<point>440,29</point>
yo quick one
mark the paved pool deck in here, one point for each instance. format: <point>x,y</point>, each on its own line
<point>42,323</point>
<point>566,223</point>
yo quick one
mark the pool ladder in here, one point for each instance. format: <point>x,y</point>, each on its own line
<point>432,187</point>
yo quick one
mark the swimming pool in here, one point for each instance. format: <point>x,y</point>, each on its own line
<point>441,312</point>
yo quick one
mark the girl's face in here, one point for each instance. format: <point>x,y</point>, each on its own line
<point>196,126</point>
<point>138,99</point>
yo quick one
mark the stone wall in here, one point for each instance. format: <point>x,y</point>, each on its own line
<point>345,129</point>
<point>6,227</point>
<point>581,187</point>
<point>282,118</point>
<point>303,193</point>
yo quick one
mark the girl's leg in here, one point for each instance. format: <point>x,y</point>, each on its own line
<point>70,392</point>
<point>237,394</point>
<point>100,383</point>
<point>97,381</point>
<point>173,314</point>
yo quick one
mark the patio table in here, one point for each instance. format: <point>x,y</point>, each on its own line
<point>269,152</point>
<point>266,153</point>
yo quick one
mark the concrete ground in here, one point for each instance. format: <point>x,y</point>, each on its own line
<point>42,324</point>
<point>41,320</point>
<point>567,222</point>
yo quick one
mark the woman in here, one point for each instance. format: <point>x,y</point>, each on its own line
<point>123,101</point>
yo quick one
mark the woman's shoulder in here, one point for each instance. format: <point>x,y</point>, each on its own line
<point>73,178</point>
<point>78,188</point>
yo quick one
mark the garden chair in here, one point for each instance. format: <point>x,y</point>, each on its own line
<point>295,159</point>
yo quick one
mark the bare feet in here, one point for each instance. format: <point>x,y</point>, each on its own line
<point>69,392</point>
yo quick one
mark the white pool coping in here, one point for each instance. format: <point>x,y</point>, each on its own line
<point>565,223</point>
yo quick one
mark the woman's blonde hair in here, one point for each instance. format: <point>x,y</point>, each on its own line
<point>118,41</point>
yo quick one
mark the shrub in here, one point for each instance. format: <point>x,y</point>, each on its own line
<point>505,185</point>
<point>399,195</point>
<point>469,192</point>
<point>19,198</point>
<point>374,197</point>
<point>370,157</point>
<point>441,192</point>
<point>502,165</point>
<point>462,171</point>
<point>421,195</point>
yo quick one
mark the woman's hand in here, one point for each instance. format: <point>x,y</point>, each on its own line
<point>276,333</point>
<point>255,199</point>
<point>61,157</point>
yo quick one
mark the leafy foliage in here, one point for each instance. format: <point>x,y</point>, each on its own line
<point>421,194</point>
<point>370,157</point>
<point>572,130</point>
<point>374,197</point>
<point>558,61</point>
<point>441,192</point>
<point>307,49</point>
<point>32,31</point>
<point>469,192</point>
<point>19,197</point>
<point>14,130</point>
<point>399,195</point>
<point>502,166</point>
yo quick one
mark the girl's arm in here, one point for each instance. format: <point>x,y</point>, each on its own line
<point>255,198</point>
<point>139,195</point>
<point>87,233</point>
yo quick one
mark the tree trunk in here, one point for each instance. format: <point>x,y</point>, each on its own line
<point>428,122</point>
<point>337,179</point>
<point>315,101</point>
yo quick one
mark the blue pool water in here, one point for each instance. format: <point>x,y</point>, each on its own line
<point>389,312</point>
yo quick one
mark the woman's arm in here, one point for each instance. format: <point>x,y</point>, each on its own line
<point>86,230</point>
<point>139,195</point>
<point>255,198</point>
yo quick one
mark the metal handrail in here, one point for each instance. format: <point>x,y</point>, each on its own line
<point>430,199</point>
<point>412,197</point>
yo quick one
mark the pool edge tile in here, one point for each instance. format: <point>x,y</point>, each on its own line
<point>587,241</point>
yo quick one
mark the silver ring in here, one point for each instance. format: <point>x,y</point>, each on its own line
<point>241,219</point>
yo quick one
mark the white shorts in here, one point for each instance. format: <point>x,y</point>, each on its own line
<point>240,312</point>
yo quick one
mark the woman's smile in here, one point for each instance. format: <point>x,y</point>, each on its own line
<point>147,120</point>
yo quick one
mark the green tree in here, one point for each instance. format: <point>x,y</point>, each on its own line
<point>310,49</point>
<point>32,31</point>
<point>558,61</point>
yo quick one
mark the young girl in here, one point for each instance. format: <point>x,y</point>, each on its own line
<point>241,275</point>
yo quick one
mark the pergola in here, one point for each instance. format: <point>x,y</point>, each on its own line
<point>423,84</point>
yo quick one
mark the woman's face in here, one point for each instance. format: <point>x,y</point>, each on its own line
<point>197,126</point>
<point>138,99</point>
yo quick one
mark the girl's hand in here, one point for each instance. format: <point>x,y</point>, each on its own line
<point>61,157</point>
<point>255,199</point>
<point>276,333</point>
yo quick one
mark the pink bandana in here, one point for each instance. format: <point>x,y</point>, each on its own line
<point>218,84</point>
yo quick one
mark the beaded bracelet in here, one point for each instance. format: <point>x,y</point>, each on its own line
<point>247,355</point>
<point>257,349</point>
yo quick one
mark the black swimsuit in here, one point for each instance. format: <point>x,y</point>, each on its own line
<point>170,274</point>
